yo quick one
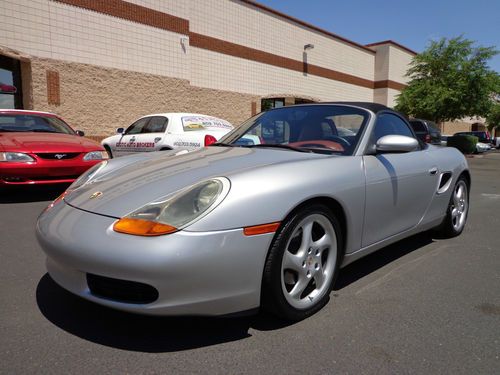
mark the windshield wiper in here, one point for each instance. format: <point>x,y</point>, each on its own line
<point>323,150</point>
<point>286,147</point>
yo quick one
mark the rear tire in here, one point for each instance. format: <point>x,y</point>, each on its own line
<point>457,211</point>
<point>302,264</point>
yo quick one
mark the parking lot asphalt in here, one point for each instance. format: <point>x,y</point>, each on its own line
<point>419,306</point>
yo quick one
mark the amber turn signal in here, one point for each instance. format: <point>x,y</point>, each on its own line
<point>261,229</point>
<point>140,227</point>
<point>56,201</point>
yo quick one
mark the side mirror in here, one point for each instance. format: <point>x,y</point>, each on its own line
<point>119,131</point>
<point>396,143</point>
<point>80,133</point>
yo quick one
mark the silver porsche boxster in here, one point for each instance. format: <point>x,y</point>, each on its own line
<point>263,218</point>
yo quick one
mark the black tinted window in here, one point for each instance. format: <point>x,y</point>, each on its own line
<point>136,127</point>
<point>389,124</point>
<point>157,124</point>
<point>418,126</point>
<point>432,126</point>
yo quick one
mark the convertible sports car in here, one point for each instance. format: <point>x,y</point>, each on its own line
<point>266,217</point>
<point>39,148</point>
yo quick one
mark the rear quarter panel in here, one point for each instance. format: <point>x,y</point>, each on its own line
<point>448,159</point>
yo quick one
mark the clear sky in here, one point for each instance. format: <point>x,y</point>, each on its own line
<point>412,23</point>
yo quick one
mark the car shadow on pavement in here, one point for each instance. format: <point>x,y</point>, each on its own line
<point>153,334</point>
<point>26,194</point>
<point>380,258</point>
<point>141,333</point>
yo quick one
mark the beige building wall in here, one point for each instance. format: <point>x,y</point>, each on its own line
<point>380,96</point>
<point>399,63</point>
<point>179,8</point>
<point>391,64</point>
<point>243,24</point>
<point>214,70</point>
<point>391,97</point>
<point>382,62</point>
<point>463,125</point>
<point>98,100</point>
<point>49,29</point>
<point>450,128</point>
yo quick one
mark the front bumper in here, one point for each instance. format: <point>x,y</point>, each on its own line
<point>43,172</point>
<point>195,273</point>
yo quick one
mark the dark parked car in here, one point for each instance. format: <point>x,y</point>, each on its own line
<point>426,131</point>
<point>484,136</point>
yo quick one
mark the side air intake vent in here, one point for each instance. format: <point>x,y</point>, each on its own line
<point>444,182</point>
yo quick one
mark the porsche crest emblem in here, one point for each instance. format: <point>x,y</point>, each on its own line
<point>97,194</point>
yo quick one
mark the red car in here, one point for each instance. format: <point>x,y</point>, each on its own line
<point>40,148</point>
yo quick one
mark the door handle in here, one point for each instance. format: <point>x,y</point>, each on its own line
<point>433,171</point>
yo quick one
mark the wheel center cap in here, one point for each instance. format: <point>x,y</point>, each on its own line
<point>309,261</point>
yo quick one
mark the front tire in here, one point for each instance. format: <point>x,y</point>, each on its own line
<point>302,264</point>
<point>457,211</point>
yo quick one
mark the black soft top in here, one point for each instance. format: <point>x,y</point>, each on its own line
<point>374,107</point>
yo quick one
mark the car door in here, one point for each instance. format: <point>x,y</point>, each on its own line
<point>399,186</point>
<point>152,134</point>
<point>126,144</point>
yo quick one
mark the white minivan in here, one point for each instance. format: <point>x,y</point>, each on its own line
<point>166,131</point>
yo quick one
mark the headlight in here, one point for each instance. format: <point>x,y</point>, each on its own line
<point>95,155</point>
<point>87,176</point>
<point>15,157</point>
<point>176,212</point>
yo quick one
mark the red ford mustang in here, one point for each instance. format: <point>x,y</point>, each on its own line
<point>40,148</point>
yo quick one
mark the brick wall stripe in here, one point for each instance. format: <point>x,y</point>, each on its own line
<point>53,88</point>
<point>307,25</point>
<point>388,84</point>
<point>237,50</point>
<point>133,12</point>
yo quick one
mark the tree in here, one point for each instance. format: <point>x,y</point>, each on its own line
<point>450,80</point>
<point>493,117</point>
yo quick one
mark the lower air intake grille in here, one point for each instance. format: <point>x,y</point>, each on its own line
<point>121,290</point>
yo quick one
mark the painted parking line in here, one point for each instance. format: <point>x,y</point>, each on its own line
<point>491,196</point>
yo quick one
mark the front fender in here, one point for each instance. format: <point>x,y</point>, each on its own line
<point>269,194</point>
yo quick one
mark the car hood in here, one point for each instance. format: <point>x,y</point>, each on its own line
<point>32,142</point>
<point>130,182</point>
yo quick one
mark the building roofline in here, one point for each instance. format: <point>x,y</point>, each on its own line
<point>305,24</point>
<point>394,44</point>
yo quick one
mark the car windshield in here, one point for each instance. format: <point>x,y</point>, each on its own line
<point>327,129</point>
<point>33,123</point>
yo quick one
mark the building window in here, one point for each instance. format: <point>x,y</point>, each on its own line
<point>270,103</point>
<point>303,101</point>
<point>10,83</point>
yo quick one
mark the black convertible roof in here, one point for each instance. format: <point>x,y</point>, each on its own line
<point>374,107</point>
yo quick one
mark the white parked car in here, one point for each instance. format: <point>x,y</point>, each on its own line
<point>167,131</point>
<point>496,142</point>
<point>482,147</point>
